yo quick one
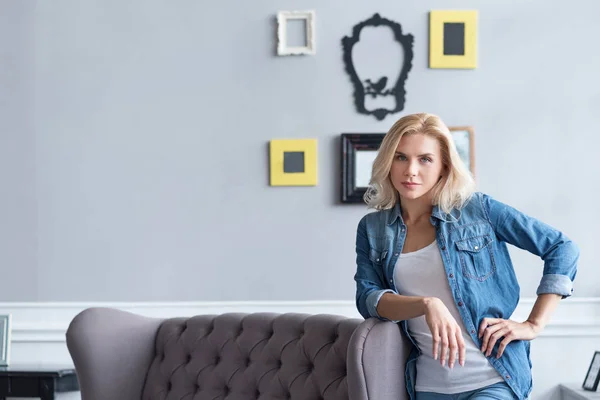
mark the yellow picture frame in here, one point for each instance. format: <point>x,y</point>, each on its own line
<point>439,22</point>
<point>277,153</point>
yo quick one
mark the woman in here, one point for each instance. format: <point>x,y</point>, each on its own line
<point>434,257</point>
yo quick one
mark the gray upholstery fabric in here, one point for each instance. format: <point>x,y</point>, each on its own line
<point>377,353</point>
<point>111,351</point>
<point>259,356</point>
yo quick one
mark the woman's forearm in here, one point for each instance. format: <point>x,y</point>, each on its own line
<point>543,309</point>
<point>399,308</point>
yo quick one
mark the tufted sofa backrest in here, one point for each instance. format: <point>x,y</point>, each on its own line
<point>251,356</point>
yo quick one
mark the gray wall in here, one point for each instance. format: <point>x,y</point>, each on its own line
<point>133,143</point>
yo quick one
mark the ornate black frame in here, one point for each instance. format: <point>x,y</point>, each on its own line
<point>399,92</point>
<point>351,143</point>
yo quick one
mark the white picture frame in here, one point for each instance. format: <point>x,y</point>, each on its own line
<point>5,339</point>
<point>282,19</point>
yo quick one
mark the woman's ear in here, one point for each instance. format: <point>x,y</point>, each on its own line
<point>445,171</point>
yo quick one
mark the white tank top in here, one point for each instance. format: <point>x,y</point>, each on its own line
<point>422,273</point>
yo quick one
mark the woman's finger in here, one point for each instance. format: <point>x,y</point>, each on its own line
<point>485,323</point>
<point>452,348</point>
<point>482,326</point>
<point>444,344</point>
<point>486,336</point>
<point>493,338</point>
<point>507,339</point>
<point>462,351</point>
<point>435,336</point>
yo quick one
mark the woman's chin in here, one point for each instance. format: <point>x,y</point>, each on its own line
<point>411,194</point>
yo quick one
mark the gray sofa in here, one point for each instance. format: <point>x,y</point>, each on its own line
<point>123,356</point>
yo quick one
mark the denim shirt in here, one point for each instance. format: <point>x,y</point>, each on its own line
<point>472,242</point>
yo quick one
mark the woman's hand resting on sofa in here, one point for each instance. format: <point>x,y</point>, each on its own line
<point>446,333</point>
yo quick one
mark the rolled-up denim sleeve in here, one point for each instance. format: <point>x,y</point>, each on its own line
<point>556,284</point>
<point>370,286</point>
<point>559,253</point>
<point>373,300</point>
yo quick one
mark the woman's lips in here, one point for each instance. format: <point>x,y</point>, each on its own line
<point>410,185</point>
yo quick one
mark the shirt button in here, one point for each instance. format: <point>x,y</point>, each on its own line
<point>403,229</point>
<point>460,303</point>
<point>391,281</point>
<point>443,247</point>
<point>476,247</point>
<point>451,275</point>
<point>472,330</point>
<point>395,254</point>
<point>507,376</point>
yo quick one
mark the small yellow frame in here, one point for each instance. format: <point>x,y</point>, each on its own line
<point>437,58</point>
<point>280,178</point>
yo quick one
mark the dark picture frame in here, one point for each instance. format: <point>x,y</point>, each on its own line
<point>354,145</point>
<point>592,377</point>
<point>358,150</point>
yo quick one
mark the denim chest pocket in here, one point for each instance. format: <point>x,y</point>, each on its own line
<point>377,257</point>
<point>477,257</point>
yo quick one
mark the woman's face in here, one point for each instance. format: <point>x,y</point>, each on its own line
<point>417,165</point>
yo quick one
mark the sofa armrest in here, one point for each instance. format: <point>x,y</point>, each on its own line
<point>377,353</point>
<point>111,351</point>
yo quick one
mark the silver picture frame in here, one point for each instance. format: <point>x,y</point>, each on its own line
<point>5,339</point>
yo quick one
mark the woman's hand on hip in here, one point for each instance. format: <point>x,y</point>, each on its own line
<point>446,333</point>
<point>492,329</point>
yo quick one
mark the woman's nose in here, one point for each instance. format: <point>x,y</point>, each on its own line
<point>411,169</point>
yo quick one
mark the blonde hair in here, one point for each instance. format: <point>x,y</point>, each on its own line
<point>452,191</point>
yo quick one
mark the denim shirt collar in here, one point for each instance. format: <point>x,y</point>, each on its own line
<point>437,213</point>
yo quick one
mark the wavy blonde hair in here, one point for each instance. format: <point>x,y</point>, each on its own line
<point>452,191</point>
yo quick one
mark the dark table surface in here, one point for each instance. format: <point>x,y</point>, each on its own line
<point>38,370</point>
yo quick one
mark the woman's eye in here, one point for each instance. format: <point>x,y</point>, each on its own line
<point>401,157</point>
<point>426,159</point>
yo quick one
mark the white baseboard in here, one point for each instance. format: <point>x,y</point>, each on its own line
<point>45,322</point>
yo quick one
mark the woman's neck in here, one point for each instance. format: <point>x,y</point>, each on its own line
<point>416,211</point>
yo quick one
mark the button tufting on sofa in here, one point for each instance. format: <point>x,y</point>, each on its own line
<point>237,355</point>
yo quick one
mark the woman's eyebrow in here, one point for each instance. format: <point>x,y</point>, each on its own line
<point>420,155</point>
